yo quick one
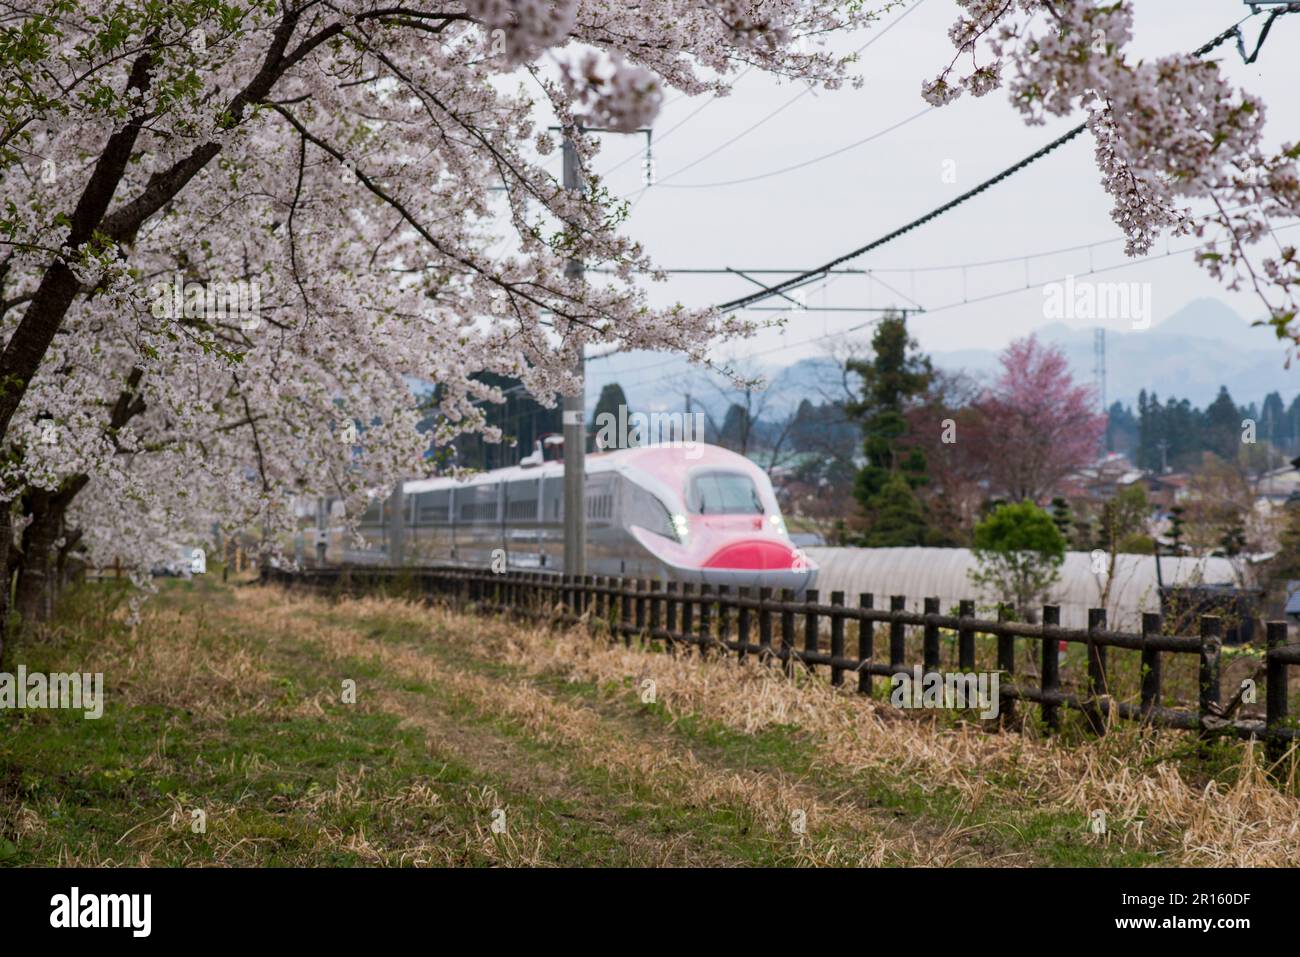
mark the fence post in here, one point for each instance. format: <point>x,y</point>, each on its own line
<point>724,616</point>
<point>897,633</point>
<point>688,611</point>
<point>1096,671</point>
<point>742,624</point>
<point>1275,703</point>
<point>640,613</point>
<point>599,601</point>
<point>866,644</point>
<point>1051,666</point>
<point>706,618</point>
<point>810,624</point>
<point>837,638</point>
<point>588,601</point>
<point>965,637</point>
<point>656,606</point>
<point>670,616</point>
<point>625,587</point>
<point>1151,626</point>
<point>1211,642</point>
<point>764,622</point>
<point>1007,665</point>
<point>787,630</point>
<point>930,640</point>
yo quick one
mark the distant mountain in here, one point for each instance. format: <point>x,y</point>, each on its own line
<point>1212,319</point>
<point>1188,355</point>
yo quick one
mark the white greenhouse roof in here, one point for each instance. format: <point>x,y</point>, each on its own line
<point>921,573</point>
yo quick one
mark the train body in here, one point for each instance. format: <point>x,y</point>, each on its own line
<point>694,513</point>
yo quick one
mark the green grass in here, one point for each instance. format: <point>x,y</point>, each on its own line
<point>220,701</point>
<point>1050,837</point>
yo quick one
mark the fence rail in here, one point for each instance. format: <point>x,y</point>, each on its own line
<point>810,634</point>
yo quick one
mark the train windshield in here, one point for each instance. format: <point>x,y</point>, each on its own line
<point>724,493</point>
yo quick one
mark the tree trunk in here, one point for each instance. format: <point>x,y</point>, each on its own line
<point>37,584</point>
<point>6,568</point>
<point>64,568</point>
<point>34,600</point>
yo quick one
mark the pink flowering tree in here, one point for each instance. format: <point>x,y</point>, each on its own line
<point>1035,424</point>
<point>1179,149</point>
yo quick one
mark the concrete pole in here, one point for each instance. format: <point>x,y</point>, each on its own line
<point>575,428</point>
<point>397,526</point>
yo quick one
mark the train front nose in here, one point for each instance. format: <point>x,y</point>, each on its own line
<point>757,554</point>
<point>758,563</point>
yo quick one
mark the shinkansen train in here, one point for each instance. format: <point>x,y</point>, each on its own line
<point>694,513</point>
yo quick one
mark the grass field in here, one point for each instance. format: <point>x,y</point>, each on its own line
<point>478,741</point>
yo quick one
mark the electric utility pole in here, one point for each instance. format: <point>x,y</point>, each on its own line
<point>575,425</point>
<point>575,405</point>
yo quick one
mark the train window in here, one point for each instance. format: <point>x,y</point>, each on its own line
<point>524,510</point>
<point>478,512</point>
<point>433,514</point>
<point>723,493</point>
<point>433,508</point>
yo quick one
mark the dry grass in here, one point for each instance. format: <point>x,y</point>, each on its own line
<point>1242,820</point>
<point>669,771</point>
<point>227,699</point>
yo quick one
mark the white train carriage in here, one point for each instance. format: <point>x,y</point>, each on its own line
<point>695,513</point>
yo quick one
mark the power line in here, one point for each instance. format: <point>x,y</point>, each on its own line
<point>676,126</point>
<point>788,103</point>
<point>816,159</point>
<point>952,204</point>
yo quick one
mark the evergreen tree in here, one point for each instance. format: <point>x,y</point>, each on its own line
<point>1291,421</point>
<point>1121,430</point>
<point>1061,517</point>
<point>736,428</point>
<point>894,376</point>
<point>1176,525</point>
<point>1271,419</point>
<point>1150,431</point>
<point>897,517</point>
<point>1223,426</point>
<point>611,397</point>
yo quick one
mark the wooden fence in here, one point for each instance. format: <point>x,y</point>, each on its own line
<point>810,634</point>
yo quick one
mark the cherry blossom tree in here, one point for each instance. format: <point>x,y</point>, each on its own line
<point>1034,425</point>
<point>1170,132</point>
<point>374,177</point>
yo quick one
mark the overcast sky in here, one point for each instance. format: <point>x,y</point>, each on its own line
<point>803,218</point>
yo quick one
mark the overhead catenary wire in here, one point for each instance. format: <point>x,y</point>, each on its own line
<point>787,345</point>
<point>1010,171</point>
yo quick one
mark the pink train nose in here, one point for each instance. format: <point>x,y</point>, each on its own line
<point>753,554</point>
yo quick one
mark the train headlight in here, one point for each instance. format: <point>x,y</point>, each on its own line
<point>778,524</point>
<point>680,526</point>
